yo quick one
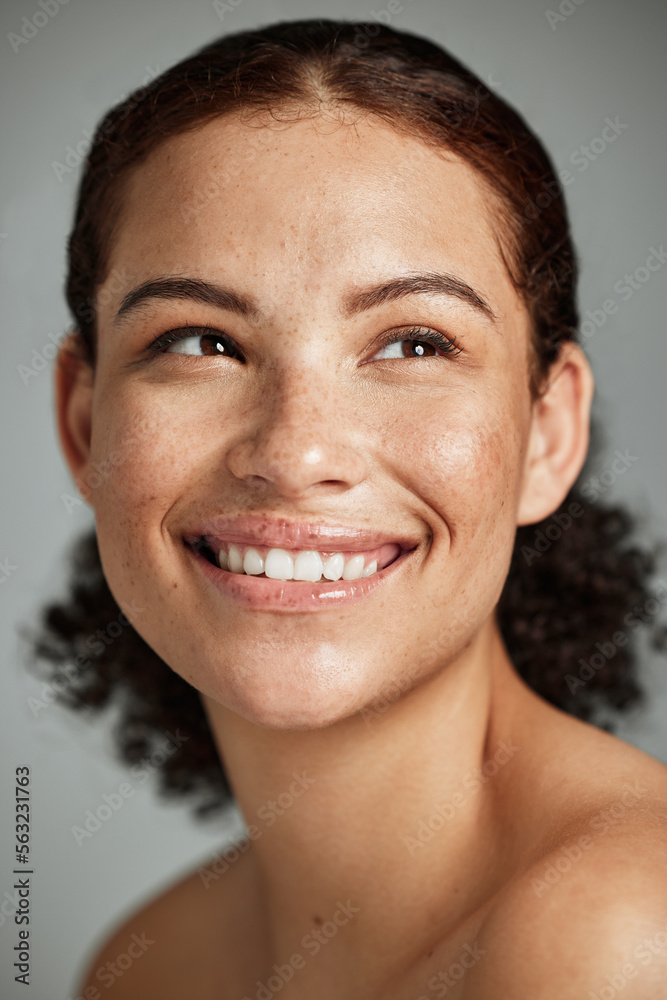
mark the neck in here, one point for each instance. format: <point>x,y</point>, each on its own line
<point>393,812</point>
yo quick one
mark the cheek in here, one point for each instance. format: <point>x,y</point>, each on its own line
<point>140,461</point>
<point>466,470</point>
<point>479,466</point>
<point>466,462</point>
<point>142,443</point>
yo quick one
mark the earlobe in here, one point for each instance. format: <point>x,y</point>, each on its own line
<point>559,436</point>
<point>73,401</point>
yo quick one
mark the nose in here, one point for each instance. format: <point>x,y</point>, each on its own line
<point>301,438</point>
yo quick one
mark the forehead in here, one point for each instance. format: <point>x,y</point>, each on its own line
<point>307,200</point>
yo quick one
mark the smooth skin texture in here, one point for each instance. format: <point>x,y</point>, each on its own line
<point>391,705</point>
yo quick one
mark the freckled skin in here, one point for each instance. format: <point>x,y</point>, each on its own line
<point>431,445</point>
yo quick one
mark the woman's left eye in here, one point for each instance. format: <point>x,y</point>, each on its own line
<point>423,343</point>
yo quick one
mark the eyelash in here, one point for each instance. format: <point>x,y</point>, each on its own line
<point>447,345</point>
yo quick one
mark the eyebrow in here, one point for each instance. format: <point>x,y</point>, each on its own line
<point>355,302</point>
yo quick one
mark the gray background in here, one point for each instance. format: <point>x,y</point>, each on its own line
<point>603,60</point>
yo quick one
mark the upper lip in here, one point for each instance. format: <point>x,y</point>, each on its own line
<point>258,529</point>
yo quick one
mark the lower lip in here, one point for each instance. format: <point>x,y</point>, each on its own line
<point>279,595</point>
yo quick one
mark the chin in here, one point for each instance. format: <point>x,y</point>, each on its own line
<point>281,713</point>
<point>289,700</point>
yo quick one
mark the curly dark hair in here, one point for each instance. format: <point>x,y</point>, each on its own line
<point>577,591</point>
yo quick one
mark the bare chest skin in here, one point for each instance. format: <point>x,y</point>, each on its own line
<point>210,943</point>
<point>193,956</point>
<point>443,970</point>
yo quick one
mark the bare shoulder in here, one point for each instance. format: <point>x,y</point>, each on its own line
<point>587,916</point>
<point>181,941</point>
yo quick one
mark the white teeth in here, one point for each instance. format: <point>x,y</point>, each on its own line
<point>334,566</point>
<point>279,565</point>
<point>354,567</point>
<point>308,566</point>
<point>235,560</point>
<point>253,564</point>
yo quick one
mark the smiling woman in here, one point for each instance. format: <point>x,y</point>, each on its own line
<point>330,411</point>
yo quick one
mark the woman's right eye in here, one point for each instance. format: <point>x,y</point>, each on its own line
<point>196,341</point>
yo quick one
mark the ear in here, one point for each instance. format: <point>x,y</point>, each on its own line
<point>74,379</point>
<point>559,436</point>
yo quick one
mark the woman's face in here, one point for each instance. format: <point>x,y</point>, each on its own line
<point>304,415</point>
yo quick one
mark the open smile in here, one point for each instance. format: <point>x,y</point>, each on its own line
<point>294,580</point>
